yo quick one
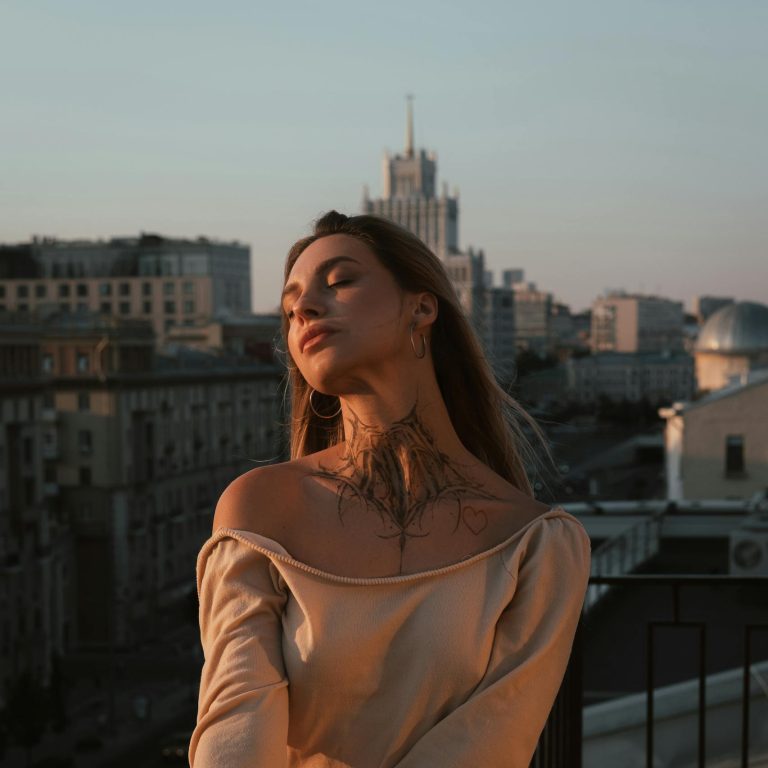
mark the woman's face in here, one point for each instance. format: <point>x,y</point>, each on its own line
<point>339,285</point>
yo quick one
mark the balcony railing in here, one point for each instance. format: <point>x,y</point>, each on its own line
<point>738,698</point>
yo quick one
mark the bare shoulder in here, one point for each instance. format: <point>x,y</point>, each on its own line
<point>525,507</point>
<point>252,501</point>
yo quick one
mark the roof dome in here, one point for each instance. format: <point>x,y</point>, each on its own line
<point>740,327</point>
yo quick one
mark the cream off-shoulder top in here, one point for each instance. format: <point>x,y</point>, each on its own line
<point>455,666</point>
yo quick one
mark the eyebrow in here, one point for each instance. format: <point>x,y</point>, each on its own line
<point>323,267</point>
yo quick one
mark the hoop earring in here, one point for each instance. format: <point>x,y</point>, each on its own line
<point>423,343</point>
<point>312,408</point>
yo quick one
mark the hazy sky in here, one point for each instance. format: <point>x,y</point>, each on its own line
<point>595,144</point>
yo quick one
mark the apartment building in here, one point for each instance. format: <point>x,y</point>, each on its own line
<point>167,281</point>
<point>110,468</point>
<point>623,322</point>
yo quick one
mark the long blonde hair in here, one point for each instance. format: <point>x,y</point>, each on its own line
<point>487,420</point>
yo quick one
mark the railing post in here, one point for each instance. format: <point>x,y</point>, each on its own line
<point>560,743</point>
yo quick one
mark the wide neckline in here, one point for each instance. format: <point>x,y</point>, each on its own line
<point>252,539</point>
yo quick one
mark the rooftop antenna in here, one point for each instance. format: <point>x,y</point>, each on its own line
<point>409,127</point>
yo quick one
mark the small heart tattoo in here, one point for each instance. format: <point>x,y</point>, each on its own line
<point>475,519</point>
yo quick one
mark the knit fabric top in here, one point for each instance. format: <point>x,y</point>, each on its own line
<point>457,666</point>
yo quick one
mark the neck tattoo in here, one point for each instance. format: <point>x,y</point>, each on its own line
<point>400,473</point>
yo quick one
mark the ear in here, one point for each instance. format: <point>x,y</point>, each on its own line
<point>424,309</point>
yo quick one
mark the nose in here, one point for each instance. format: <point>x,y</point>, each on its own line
<point>308,306</point>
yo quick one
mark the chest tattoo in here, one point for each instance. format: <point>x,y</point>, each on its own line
<point>400,473</point>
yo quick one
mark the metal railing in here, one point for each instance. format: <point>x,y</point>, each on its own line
<point>622,553</point>
<point>560,744</point>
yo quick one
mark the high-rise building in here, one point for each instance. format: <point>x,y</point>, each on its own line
<point>409,197</point>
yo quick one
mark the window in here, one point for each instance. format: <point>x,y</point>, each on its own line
<point>64,290</point>
<point>734,454</point>
<point>82,289</point>
<point>22,291</point>
<point>125,307</point>
<point>189,306</point>
<point>64,306</point>
<point>105,289</point>
<point>146,289</point>
<point>106,307</point>
<point>83,362</point>
<point>125,289</point>
<point>170,307</point>
<point>84,401</point>
<point>41,291</point>
<point>2,291</point>
<point>147,307</point>
<point>47,363</point>
<point>168,288</point>
<point>84,441</point>
<point>85,478</point>
<point>188,287</point>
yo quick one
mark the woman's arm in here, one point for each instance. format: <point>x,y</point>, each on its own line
<point>242,717</point>
<point>501,721</point>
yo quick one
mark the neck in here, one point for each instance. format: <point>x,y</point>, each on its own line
<point>397,468</point>
<point>402,458</point>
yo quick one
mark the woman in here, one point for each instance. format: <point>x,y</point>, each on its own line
<point>393,595</point>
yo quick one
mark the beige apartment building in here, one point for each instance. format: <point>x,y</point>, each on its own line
<point>717,447</point>
<point>623,322</point>
<point>166,281</point>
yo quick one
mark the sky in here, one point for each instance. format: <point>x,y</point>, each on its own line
<point>596,145</point>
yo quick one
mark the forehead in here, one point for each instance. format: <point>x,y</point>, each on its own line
<point>328,247</point>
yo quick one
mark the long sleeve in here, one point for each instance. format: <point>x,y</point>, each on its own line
<point>242,717</point>
<point>500,723</point>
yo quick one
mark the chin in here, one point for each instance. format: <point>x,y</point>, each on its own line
<point>330,379</point>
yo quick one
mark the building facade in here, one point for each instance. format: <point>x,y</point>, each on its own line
<point>166,281</point>
<point>620,376</point>
<point>623,322</point>
<point>410,199</point>
<point>716,447</point>
<point>112,457</point>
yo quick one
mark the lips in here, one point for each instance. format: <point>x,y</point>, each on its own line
<point>318,332</point>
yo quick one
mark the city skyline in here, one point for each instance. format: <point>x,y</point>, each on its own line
<point>612,147</point>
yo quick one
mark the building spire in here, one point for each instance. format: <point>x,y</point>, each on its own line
<point>409,127</point>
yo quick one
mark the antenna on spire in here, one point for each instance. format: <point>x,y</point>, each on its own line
<point>409,127</point>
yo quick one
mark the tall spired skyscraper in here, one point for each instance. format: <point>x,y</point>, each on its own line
<point>409,196</point>
<point>409,200</point>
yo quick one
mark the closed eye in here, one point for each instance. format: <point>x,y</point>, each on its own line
<point>289,314</point>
